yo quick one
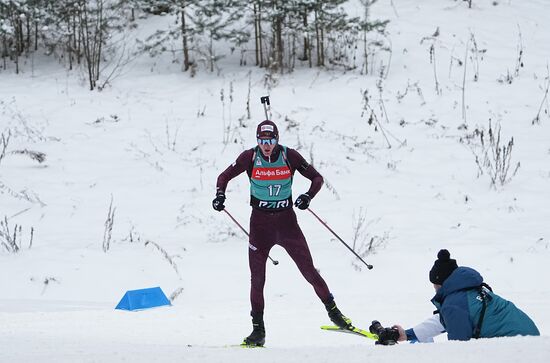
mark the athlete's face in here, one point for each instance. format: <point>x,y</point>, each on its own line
<point>267,145</point>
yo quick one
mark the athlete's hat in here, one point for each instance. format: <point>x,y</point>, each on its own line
<point>267,129</point>
<point>443,267</point>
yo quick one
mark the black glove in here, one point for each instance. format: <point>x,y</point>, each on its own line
<point>217,203</point>
<point>302,202</point>
<point>389,336</point>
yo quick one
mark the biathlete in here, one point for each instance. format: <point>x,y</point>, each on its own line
<point>270,168</point>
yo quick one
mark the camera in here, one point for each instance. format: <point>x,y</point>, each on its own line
<point>386,336</point>
<point>264,99</point>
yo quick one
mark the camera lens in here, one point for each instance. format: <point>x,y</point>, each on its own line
<point>376,327</point>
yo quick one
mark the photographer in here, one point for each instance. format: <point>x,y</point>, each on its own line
<point>466,308</point>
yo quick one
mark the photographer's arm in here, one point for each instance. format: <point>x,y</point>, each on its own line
<point>423,332</point>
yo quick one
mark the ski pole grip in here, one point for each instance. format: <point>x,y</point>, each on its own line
<point>265,101</point>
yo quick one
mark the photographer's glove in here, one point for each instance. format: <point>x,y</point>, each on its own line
<point>388,336</point>
<point>302,202</point>
<point>217,203</point>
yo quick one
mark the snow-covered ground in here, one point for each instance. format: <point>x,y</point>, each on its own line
<point>153,143</point>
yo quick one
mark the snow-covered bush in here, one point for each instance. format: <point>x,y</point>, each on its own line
<point>11,236</point>
<point>364,242</point>
<point>493,156</point>
<point>4,141</point>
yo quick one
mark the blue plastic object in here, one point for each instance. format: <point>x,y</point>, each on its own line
<point>143,299</point>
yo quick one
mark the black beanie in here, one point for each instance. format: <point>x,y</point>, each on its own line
<point>443,267</point>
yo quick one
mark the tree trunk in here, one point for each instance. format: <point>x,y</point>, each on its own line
<point>69,44</point>
<point>256,35</point>
<point>4,51</point>
<point>186,62</point>
<point>35,35</point>
<point>279,44</point>
<point>211,51</point>
<point>85,37</point>
<point>29,32</point>
<point>99,45</point>
<point>366,55</point>
<point>21,42</point>
<point>292,52</point>
<point>260,40</point>
<point>317,38</point>
<point>17,45</point>
<point>305,55</point>
<point>322,46</point>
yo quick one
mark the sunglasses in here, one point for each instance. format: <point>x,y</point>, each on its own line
<point>267,141</point>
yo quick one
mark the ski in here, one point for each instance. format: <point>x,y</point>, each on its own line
<point>352,330</point>
<point>241,346</point>
<point>249,346</point>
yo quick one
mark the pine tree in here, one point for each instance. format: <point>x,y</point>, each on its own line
<point>182,10</point>
<point>215,20</point>
<point>311,25</point>
<point>284,32</point>
<point>366,26</point>
<point>12,16</point>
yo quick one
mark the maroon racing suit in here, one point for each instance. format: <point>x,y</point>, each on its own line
<point>268,228</point>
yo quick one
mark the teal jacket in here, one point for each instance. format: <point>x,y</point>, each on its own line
<point>460,302</point>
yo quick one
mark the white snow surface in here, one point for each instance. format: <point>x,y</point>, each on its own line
<point>158,160</point>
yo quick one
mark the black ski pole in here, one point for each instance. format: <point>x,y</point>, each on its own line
<point>275,262</point>
<point>265,101</point>
<point>341,240</point>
